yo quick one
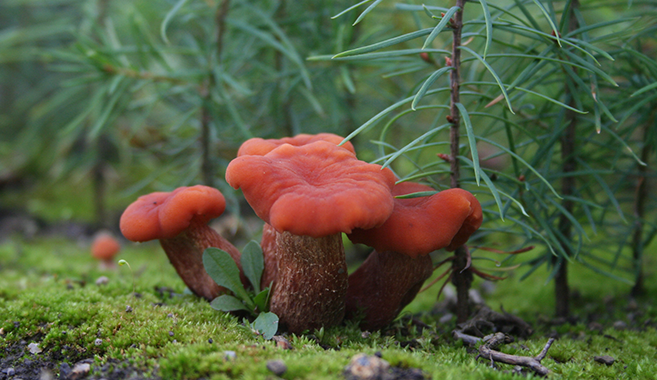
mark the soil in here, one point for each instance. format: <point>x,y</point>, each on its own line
<point>16,362</point>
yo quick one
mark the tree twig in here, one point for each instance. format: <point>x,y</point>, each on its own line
<point>460,277</point>
<point>491,342</point>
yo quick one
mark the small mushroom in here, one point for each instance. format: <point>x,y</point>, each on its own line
<point>391,276</point>
<point>104,247</point>
<point>309,195</point>
<point>179,220</point>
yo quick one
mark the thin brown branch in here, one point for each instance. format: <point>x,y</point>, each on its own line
<point>486,276</point>
<point>524,361</point>
<point>460,277</point>
<point>639,210</point>
<point>440,264</point>
<point>145,75</point>
<point>491,342</point>
<point>433,282</point>
<point>517,251</point>
<point>568,185</point>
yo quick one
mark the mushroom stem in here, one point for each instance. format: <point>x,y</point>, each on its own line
<point>268,246</point>
<point>383,285</point>
<point>311,284</point>
<point>185,252</point>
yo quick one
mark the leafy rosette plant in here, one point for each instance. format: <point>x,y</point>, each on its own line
<point>221,267</point>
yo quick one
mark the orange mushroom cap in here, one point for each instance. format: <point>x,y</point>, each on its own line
<point>421,225</point>
<point>260,147</point>
<point>315,190</point>
<point>105,246</point>
<point>163,215</point>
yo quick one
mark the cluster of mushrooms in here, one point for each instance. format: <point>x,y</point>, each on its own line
<point>309,190</point>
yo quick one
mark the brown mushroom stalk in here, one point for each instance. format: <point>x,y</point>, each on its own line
<point>179,221</point>
<point>268,246</point>
<point>393,274</point>
<point>383,285</point>
<point>309,195</point>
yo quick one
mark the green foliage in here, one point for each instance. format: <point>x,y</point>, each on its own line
<point>529,70</point>
<point>223,270</point>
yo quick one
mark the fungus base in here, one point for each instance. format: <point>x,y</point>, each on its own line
<point>185,253</point>
<point>311,284</point>
<point>385,283</point>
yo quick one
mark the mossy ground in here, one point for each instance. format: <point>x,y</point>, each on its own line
<point>49,296</point>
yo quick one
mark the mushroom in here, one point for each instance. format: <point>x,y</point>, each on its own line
<point>394,272</point>
<point>309,195</point>
<point>260,147</point>
<point>179,220</point>
<point>104,247</point>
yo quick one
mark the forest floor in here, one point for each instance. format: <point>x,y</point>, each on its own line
<point>62,317</point>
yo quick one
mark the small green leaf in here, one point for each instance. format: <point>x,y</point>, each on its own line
<point>266,324</point>
<point>427,83</point>
<point>167,18</point>
<point>441,25</point>
<point>223,270</point>
<point>227,303</point>
<point>261,300</point>
<point>366,11</point>
<point>253,263</point>
<point>471,139</point>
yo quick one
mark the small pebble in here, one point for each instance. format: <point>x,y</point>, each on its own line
<point>475,297</point>
<point>80,370</point>
<point>281,342</point>
<point>170,333</point>
<point>595,326</point>
<point>128,309</point>
<point>604,359</point>
<point>446,318</point>
<point>365,334</point>
<point>620,325</point>
<point>98,342</point>
<point>170,315</point>
<point>102,280</point>
<point>64,370</point>
<point>34,348</point>
<point>277,367</point>
<point>362,367</point>
<point>46,374</point>
<point>230,355</point>
<point>10,371</point>
<point>632,305</point>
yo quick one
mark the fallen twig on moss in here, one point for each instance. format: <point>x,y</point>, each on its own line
<point>491,342</point>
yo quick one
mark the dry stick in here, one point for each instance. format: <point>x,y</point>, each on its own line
<point>487,350</point>
<point>534,364</point>
<point>461,278</point>
<point>207,169</point>
<point>569,164</point>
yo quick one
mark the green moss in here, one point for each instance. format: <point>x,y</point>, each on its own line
<point>49,296</point>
